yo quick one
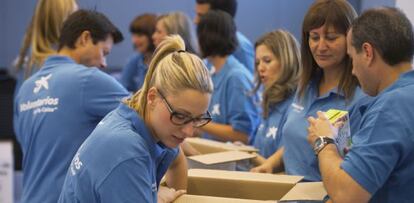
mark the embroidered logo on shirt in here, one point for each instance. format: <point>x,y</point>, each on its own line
<point>271,132</point>
<point>42,83</point>
<point>297,107</point>
<point>76,164</point>
<point>216,110</point>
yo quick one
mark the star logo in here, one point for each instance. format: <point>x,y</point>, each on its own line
<point>216,110</point>
<point>42,83</point>
<point>271,132</point>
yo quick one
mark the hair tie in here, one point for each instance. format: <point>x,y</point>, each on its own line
<point>180,51</point>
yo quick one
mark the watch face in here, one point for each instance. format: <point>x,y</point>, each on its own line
<point>318,144</point>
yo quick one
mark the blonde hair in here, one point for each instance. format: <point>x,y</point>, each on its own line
<point>172,70</point>
<point>285,48</point>
<point>180,24</point>
<point>43,32</point>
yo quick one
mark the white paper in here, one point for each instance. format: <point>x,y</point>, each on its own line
<point>6,172</point>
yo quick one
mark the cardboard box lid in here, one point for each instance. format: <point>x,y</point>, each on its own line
<point>221,157</point>
<point>206,146</point>
<point>236,184</point>
<point>209,199</point>
<point>306,191</point>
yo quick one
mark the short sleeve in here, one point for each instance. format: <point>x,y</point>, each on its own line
<point>242,111</point>
<point>375,149</point>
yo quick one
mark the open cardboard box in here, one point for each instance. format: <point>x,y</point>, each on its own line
<point>231,186</point>
<point>218,155</point>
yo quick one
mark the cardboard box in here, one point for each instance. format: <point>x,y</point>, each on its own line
<point>218,155</point>
<point>209,199</point>
<point>204,184</point>
<point>6,172</point>
<point>340,120</point>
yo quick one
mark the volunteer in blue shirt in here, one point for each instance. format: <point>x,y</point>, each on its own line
<point>233,106</point>
<point>59,106</point>
<point>244,52</point>
<point>128,153</point>
<point>133,73</point>
<point>277,70</point>
<point>41,37</point>
<point>326,82</point>
<point>379,166</point>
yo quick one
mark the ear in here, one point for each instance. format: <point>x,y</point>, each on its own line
<point>369,53</point>
<point>84,38</point>
<point>151,97</point>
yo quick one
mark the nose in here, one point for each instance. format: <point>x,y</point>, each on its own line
<point>103,63</point>
<point>260,67</point>
<point>188,129</point>
<point>322,44</point>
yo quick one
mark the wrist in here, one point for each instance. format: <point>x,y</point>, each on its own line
<point>320,143</point>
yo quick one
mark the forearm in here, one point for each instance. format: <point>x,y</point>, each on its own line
<point>176,176</point>
<point>340,186</point>
<point>258,160</point>
<point>225,132</point>
<point>276,160</point>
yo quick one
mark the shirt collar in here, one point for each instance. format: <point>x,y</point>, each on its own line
<point>218,77</point>
<point>157,149</point>
<point>405,79</point>
<point>57,59</point>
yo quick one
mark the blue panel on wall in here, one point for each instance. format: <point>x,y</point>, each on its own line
<point>253,18</point>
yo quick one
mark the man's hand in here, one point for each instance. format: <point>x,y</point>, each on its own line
<point>320,127</point>
<point>167,195</point>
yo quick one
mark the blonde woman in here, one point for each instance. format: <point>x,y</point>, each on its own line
<point>277,72</point>
<point>125,157</point>
<point>42,34</point>
<point>176,23</point>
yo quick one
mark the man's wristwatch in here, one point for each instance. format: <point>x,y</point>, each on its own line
<point>320,143</point>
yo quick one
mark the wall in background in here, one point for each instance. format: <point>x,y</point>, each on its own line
<point>253,18</point>
<point>408,8</point>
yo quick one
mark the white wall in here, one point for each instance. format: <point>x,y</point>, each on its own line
<point>407,6</point>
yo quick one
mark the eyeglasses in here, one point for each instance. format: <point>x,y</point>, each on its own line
<point>182,119</point>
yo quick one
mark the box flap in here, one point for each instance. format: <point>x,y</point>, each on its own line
<point>236,184</point>
<point>206,146</point>
<point>306,191</point>
<point>210,199</point>
<point>221,157</point>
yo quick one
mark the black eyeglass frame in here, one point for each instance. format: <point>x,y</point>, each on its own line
<point>207,118</point>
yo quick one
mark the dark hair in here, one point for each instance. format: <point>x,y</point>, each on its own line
<point>228,6</point>
<point>96,23</point>
<point>388,30</point>
<point>144,25</point>
<point>217,34</point>
<point>336,13</point>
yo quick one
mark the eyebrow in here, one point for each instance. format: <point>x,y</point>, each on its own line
<point>179,110</point>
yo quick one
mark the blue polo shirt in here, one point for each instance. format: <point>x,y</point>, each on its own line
<point>232,102</point>
<point>245,52</point>
<point>119,162</point>
<point>54,111</point>
<point>299,157</point>
<point>381,159</point>
<point>267,139</point>
<point>133,73</point>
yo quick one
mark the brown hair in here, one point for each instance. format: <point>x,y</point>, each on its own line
<point>338,14</point>
<point>144,25</point>
<point>285,48</point>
